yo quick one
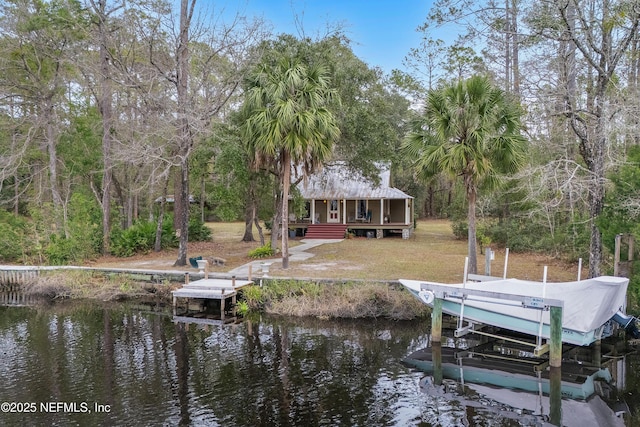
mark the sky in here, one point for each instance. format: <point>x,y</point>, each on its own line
<point>382,31</point>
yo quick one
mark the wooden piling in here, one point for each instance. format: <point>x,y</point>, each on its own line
<point>555,335</point>
<point>436,358</point>
<point>555,396</point>
<point>436,321</point>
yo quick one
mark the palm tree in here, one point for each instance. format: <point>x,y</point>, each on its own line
<point>468,129</point>
<point>288,123</point>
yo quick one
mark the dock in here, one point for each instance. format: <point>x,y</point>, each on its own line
<point>209,289</point>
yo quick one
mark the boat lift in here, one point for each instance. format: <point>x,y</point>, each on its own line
<point>436,294</point>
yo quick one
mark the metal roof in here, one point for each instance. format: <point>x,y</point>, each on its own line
<point>336,182</point>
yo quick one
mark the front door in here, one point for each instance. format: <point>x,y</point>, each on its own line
<point>333,214</point>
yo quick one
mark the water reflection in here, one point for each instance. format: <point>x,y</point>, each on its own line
<point>149,370</point>
<point>142,366</point>
<point>487,382</point>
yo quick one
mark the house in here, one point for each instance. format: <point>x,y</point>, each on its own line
<point>339,199</point>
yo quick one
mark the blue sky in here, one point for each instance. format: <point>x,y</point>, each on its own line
<point>382,31</point>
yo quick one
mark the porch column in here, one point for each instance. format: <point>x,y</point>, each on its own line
<point>381,211</point>
<point>344,211</point>
<point>313,211</point>
<point>407,211</point>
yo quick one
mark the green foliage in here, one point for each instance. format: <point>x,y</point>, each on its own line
<point>460,229</point>
<point>279,289</point>
<point>140,238</point>
<point>83,233</point>
<point>60,251</point>
<point>242,308</point>
<point>633,291</point>
<point>262,252</point>
<point>523,235</point>
<point>253,296</point>
<point>14,236</point>
<point>198,231</point>
<point>619,215</point>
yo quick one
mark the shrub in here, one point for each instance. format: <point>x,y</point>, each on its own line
<point>460,229</point>
<point>262,252</point>
<point>13,236</point>
<point>198,231</point>
<point>242,308</point>
<point>61,251</point>
<point>83,237</point>
<point>141,237</point>
<point>253,296</point>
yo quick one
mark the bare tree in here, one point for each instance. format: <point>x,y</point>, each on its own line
<point>602,36</point>
<point>206,70</point>
<point>105,103</point>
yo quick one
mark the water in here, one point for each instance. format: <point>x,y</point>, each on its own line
<point>94,363</point>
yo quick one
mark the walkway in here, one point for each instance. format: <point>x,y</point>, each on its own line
<point>296,253</point>
<point>18,274</point>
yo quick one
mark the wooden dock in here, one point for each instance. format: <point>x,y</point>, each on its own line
<point>209,289</point>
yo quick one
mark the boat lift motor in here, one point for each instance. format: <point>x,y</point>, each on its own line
<point>630,324</point>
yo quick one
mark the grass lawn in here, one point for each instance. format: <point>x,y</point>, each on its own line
<point>432,253</point>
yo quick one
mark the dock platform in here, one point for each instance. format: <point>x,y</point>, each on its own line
<point>209,289</point>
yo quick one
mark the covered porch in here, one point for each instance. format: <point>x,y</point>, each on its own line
<point>383,217</point>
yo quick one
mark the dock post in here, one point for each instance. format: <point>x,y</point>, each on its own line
<point>186,278</point>
<point>436,358</point>
<point>234,302</point>
<point>233,281</point>
<point>488,256</point>
<point>250,271</point>
<point>616,256</point>
<point>555,334</point>
<point>555,396</point>
<point>436,321</point>
<point>206,270</point>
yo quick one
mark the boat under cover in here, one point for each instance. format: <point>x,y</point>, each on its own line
<point>589,305</point>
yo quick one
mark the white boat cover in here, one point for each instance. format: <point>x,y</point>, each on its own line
<point>588,304</point>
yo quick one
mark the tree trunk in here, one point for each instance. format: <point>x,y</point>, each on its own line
<point>105,105</point>
<point>157,247</point>
<point>185,139</point>
<point>256,221</point>
<point>515,42</point>
<point>275,224</point>
<point>177,198</point>
<point>53,171</point>
<point>203,196</point>
<point>184,218</point>
<point>286,183</point>
<point>249,213</point>
<point>472,193</point>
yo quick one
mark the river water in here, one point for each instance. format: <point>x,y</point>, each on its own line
<point>92,363</point>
